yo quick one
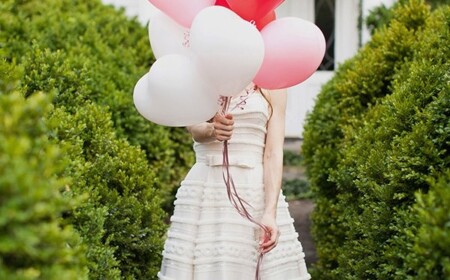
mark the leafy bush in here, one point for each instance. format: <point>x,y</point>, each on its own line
<point>90,52</point>
<point>121,221</point>
<point>355,87</point>
<point>382,15</point>
<point>296,189</point>
<point>293,185</point>
<point>437,3</point>
<point>87,57</point>
<point>35,243</point>
<point>291,158</point>
<point>431,244</point>
<point>379,131</point>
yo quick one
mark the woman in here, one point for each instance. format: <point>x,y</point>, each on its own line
<point>208,239</point>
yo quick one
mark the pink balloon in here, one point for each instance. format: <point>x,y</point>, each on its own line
<point>182,11</point>
<point>294,49</point>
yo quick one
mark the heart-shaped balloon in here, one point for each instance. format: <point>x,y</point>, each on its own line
<point>260,22</point>
<point>182,11</point>
<point>228,50</point>
<point>294,49</point>
<point>167,36</point>
<point>222,3</point>
<point>173,93</point>
<point>253,10</point>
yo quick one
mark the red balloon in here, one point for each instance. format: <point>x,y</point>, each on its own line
<point>253,10</point>
<point>260,23</point>
<point>222,3</point>
<point>271,16</point>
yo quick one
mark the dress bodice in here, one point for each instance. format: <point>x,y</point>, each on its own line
<point>251,113</point>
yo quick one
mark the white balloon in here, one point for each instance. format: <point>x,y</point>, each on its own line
<point>228,50</point>
<point>173,93</point>
<point>182,11</point>
<point>167,36</point>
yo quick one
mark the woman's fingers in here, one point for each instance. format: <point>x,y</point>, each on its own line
<point>271,241</point>
<point>226,120</point>
<point>269,246</point>
<point>223,126</point>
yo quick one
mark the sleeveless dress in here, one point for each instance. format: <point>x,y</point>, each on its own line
<point>207,238</point>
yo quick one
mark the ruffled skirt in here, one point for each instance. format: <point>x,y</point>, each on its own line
<point>209,240</point>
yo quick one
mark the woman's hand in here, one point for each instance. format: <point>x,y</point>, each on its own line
<point>219,128</point>
<point>268,240</point>
<point>223,126</point>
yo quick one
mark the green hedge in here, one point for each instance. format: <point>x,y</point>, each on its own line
<point>377,136</point>
<point>35,242</point>
<point>122,220</point>
<point>382,15</point>
<point>431,249</point>
<point>87,58</point>
<point>90,52</point>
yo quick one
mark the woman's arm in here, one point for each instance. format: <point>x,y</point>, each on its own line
<point>273,167</point>
<point>220,128</point>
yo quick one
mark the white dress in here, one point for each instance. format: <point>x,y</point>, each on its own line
<point>208,239</point>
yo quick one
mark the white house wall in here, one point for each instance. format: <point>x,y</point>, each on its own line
<point>296,8</point>
<point>346,43</point>
<point>142,9</point>
<point>301,98</point>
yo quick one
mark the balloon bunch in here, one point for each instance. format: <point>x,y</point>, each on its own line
<point>205,49</point>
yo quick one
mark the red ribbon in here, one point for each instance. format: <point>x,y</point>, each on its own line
<point>238,203</point>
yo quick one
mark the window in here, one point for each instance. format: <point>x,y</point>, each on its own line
<point>324,11</point>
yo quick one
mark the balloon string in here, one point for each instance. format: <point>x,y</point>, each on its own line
<point>186,37</point>
<point>237,202</point>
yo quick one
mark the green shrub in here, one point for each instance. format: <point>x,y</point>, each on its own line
<point>87,51</point>
<point>378,17</point>
<point>374,143</point>
<point>357,85</point>
<point>296,189</point>
<point>35,242</point>
<point>437,3</point>
<point>88,57</point>
<point>431,250</point>
<point>291,158</point>
<point>381,16</point>
<point>408,136</point>
<point>293,185</point>
<point>121,221</point>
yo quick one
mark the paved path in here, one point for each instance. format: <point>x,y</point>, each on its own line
<point>301,211</point>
